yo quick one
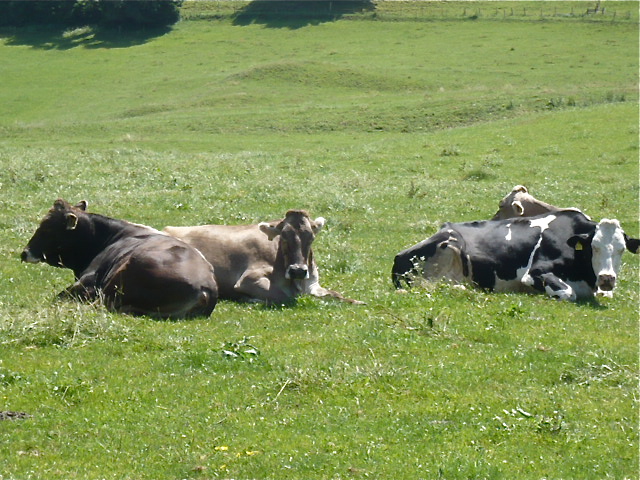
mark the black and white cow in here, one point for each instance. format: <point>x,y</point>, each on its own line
<point>561,253</point>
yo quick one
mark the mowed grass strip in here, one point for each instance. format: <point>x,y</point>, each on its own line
<point>221,123</point>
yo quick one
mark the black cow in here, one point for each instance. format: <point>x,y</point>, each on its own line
<point>561,253</point>
<point>132,268</point>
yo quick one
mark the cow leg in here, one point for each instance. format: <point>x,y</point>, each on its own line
<point>317,291</point>
<point>255,285</point>
<point>551,285</point>
<point>84,289</point>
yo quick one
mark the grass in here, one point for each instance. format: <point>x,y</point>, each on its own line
<point>371,123</point>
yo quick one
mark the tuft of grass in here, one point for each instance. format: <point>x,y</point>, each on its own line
<point>65,325</point>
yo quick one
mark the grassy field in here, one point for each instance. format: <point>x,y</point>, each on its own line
<point>387,123</point>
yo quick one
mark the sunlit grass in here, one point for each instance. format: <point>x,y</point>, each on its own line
<point>222,123</point>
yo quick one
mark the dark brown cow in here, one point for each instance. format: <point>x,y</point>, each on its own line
<point>519,203</point>
<point>268,262</point>
<point>133,268</point>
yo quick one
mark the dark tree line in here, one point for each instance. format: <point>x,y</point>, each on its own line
<point>121,13</point>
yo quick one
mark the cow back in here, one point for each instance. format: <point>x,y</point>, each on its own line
<point>231,249</point>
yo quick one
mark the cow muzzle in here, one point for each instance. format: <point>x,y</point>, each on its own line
<point>606,282</point>
<point>28,257</point>
<point>297,272</point>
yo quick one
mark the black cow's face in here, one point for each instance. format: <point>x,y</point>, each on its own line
<point>52,234</point>
<point>297,232</point>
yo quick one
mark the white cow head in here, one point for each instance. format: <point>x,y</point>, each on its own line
<point>607,245</point>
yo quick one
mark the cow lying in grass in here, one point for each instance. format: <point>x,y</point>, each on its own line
<point>132,268</point>
<point>266,262</point>
<point>520,203</point>
<point>561,252</point>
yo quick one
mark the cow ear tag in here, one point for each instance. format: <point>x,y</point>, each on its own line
<point>72,221</point>
<point>579,246</point>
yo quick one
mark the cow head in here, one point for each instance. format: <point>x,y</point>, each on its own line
<point>520,203</point>
<point>51,236</point>
<point>296,232</point>
<point>607,243</point>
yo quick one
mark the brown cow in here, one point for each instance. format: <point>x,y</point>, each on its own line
<point>519,203</point>
<point>268,262</point>
<point>133,268</point>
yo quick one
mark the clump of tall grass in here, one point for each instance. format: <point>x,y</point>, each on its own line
<point>63,324</point>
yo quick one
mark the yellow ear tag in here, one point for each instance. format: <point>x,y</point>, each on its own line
<point>579,246</point>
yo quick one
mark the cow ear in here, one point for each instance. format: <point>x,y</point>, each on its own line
<point>578,242</point>
<point>633,244</point>
<point>271,230</point>
<point>82,205</point>
<point>317,225</point>
<point>72,221</point>
<point>518,208</point>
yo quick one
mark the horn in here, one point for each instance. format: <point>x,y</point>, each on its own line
<point>72,221</point>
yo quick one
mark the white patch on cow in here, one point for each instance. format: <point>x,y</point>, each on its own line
<point>604,293</point>
<point>541,223</point>
<point>565,294</point>
<point>607,247</point>
<point>508,236</point>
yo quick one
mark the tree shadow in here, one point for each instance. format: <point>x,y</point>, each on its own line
<point>298,14</point>
<point>61,38</point>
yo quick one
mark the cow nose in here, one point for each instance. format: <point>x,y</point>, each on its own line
<point>297,272</point>
<point>606,282</point>
<point>27,256</point>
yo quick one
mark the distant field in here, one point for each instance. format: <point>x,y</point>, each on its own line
<point>387,122</point>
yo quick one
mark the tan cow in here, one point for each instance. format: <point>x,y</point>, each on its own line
<point>519,203</point>
<point>266,262</point>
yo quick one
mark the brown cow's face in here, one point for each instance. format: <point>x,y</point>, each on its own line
<point>49,238</point>
<point>297,232</point>
<point>511,206</point>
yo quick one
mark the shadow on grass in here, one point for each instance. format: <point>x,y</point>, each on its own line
<point>60,38</point>
<point>592,302</point>
<point>298,14</point>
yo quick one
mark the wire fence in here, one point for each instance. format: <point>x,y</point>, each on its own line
<point>414,10</point>
<point>507,10</point>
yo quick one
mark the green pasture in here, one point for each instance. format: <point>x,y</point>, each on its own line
<point>386,122</point>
